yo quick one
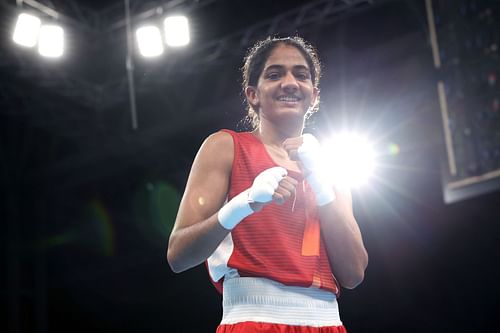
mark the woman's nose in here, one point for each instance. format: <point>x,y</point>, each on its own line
<point>289,82</point>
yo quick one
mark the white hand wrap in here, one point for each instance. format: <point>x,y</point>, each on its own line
<point>310,155</point>
<point>261,191</point>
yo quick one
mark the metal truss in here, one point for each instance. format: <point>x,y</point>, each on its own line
<point>111,18</point>
<point>314,13</point>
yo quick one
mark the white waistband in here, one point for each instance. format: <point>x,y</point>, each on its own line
<point>264,300</point>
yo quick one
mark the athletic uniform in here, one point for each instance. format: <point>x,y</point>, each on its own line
<point>273,268</point>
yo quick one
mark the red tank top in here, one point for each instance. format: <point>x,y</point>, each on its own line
<point>281,242</point>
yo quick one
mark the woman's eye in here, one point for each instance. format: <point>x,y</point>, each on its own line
<point>302,76</point>
<point>273,76</point>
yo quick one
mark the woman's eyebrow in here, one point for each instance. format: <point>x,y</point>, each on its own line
<point>301,67</point>
<point>277,66</point>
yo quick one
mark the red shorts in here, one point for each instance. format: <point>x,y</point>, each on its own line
<point>254,327</point>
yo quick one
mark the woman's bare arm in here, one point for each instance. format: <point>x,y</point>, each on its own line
<point>197,232</point>
<point>344,244</point>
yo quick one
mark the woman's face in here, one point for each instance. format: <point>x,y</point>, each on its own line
<point>284,87</point>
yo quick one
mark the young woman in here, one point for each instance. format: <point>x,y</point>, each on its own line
<point>278,240</point>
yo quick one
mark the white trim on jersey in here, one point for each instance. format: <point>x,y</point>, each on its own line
<point>217,262</point>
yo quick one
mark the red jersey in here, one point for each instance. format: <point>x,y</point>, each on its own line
<point>281,242</point>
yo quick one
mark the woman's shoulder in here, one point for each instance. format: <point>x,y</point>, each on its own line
<point>218,147</point>
<point>224,141</point>
<point>228,136</point>
<point>220,139</point>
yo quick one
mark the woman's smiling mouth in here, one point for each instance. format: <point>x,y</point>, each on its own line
<point>288,99</point>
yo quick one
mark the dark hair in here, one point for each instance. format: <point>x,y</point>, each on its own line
<point>257,56</point>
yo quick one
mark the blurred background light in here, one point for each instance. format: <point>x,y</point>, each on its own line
<point>176,30</point>
<point>26,30</point>
<point>51,41</point>
<point>149,41</point>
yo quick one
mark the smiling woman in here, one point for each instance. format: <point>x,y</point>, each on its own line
<point>278,240</point>
<point>255,62</point>
<point>284,88</point>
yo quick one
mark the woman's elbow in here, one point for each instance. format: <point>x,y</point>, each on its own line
<point>356,276</point>
<point>173,262</point>
<point>353,281</point>
<point>173,259</point>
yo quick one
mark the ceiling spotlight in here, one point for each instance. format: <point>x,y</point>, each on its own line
<point>176,30</point>
<point>26,30</point>
<point>149,41</point>
<point>51,41</point>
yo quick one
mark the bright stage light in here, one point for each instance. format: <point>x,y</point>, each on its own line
<point>149,41</point>
<point>26,30</point>
<point>176,30</point>
<point>350,159</point>
<point>51,41</point>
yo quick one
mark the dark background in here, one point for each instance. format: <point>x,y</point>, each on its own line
<point>88,201</point>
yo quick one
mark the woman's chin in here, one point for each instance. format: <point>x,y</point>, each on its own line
<point>292,112</point>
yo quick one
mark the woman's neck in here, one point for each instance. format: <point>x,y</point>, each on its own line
<point>273,135</point>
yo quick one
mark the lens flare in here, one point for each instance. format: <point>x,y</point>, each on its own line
<point>155,207</point>
<point>394,149</point>
<point>103,226</point>
<point>349,159</point>
<point>93,232</point>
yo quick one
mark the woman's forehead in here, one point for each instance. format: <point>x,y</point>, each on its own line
<point>286,55</point>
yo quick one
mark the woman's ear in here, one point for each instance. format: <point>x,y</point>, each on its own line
<point>252,97</point>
